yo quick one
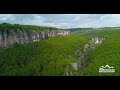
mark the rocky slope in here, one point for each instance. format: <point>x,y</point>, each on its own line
<point>10,37</point>
<point>85,53</point>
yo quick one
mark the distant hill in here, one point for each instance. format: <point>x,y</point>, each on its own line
<point>76,29</point>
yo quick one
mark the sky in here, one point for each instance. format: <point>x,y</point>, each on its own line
<point>63,20</point>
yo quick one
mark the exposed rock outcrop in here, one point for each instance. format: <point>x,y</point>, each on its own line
<point>10,37</point>
<point>83,55</point>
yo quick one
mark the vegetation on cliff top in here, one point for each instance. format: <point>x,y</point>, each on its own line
<point>5,26</point>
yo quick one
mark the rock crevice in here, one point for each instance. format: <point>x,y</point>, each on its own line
<point>83,55</point>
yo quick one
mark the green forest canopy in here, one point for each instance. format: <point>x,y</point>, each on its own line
<point>5,26</point>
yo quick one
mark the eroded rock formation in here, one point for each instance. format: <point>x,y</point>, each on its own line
<point>10,37</point>
<point>85,53</point>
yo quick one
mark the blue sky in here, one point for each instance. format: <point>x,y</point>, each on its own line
<point>63,20</point>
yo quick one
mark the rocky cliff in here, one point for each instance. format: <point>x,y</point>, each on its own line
<point>83,55</point>
<point>10,37</point>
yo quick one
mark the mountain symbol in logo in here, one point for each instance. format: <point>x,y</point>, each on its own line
<point>106,68</point>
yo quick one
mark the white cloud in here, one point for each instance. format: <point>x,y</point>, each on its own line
<point>5,16</point>
<point>63,20</point>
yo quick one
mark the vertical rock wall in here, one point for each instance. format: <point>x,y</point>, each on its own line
<point>10,37</point>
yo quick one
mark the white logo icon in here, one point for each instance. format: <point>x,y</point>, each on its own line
<point>107,68</point>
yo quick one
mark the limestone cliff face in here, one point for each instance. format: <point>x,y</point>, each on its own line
<point>85,53</point>
<point>10,37</point>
